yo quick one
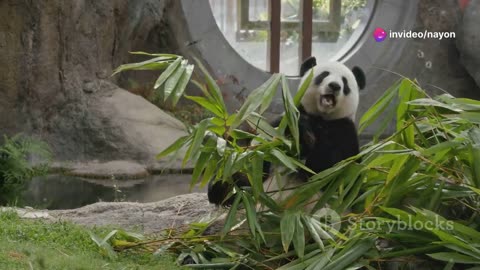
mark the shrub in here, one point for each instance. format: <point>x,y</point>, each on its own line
<point>15,167</point>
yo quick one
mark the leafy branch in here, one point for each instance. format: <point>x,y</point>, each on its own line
<point>427,170</point>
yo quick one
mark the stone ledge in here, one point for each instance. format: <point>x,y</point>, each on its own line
<point>147,217</point>
<point>118,169</point>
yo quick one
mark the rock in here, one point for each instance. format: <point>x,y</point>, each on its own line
<point>55,78</point>
<point>468,40</point>
<point>29,213</point>
<point>148,217</point>
<point>90,87</point>
<point>130,127</point>
<point>119,169</point>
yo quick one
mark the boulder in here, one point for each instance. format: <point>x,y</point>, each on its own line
<point>468,40</point>
<point>149,218</point>
<point>117,169</point>
<point>57,58</point>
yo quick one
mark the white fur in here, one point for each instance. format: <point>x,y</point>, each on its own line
<point>346,106</point>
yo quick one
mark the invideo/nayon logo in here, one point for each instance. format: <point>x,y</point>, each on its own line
<point>380,34</point>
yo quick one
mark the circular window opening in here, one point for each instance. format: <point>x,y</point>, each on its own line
<point>336,27</point>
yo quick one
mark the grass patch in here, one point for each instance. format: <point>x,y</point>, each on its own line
<point>38,244</point>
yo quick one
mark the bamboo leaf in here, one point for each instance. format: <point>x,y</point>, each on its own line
<point>291,113</point>
<point>431,102</point>
<point>400,214</point>
<point>313,232</point>
<point>473,117</point>
<point>475,165</point>
<point>317,225</point>
<point>455,257</point>
<point>166,55</point>
<point>209,172</point>
<point>252,217</point>
<point>200,165</point>
<point>254,100</point>
<point>465,104</point>
<point>322,260</point>
<point>182,84</point>
<point>256,179</point>
<point>476,190</point>
<point>397,166</point>
<point>350,174</point>
<point>231,217</point>
<point>405,92</point>
<point>299,237</point>
<point>198,138</point>
<point>269,92</point>
<point>378,108</point>
<point>212,85</point>
<point>297,99</point>
<point>227,170</point>
<point>207,104</point>
<point>151,64</point>
<point>284,159</point>
<point>287,229</point>
<point>303,88</point>
<point>269,202</point>
<point>174,79</point>
<point>167,73</point>
<point>448,238</point>
<point>350,254</point>
<point>261,126</point>
<point>301,264</point>
<point>176,146</point>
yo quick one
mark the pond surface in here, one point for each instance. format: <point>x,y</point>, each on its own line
<point>66,192</point>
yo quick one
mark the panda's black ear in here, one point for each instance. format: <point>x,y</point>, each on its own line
<point>360,77</point>
<point>307,65</point>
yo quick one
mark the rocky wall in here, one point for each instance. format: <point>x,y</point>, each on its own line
<point>56,60</point>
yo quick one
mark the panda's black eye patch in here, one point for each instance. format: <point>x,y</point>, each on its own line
<point>346,88</point>
<point>319,79</point>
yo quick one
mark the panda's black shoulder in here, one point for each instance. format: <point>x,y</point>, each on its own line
<point>326,142</point>
<point>337,129</point>
<point>314,123</point>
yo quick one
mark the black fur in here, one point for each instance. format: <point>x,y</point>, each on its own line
<point>346,88</point>
<point>218,193</point>
<point>334,141</point>
<point>319,79</point>
<point>360,77</point>
<point>307,65</point>
<point>312,61</point>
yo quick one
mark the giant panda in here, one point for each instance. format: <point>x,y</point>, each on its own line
<point>328,133</point>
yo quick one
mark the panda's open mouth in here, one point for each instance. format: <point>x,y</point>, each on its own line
<point>328,100</point>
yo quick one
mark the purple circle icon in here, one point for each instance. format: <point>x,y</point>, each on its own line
<point>380,34</point>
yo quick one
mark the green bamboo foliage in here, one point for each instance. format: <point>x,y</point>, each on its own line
<point>16,168</point>
<point>386,198</point>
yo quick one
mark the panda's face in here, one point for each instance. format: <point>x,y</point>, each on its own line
<point>334,91</point>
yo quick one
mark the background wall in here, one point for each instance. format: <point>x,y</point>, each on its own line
<point>436,64</point>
